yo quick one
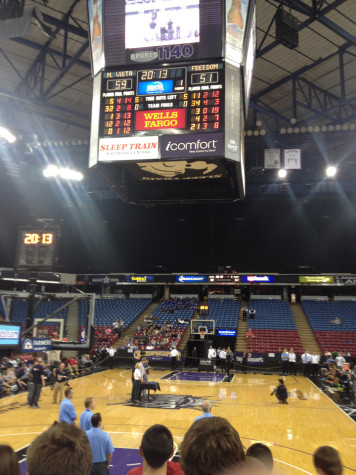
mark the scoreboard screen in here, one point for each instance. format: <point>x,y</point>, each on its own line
<point>36,249</point>
<point>148,104</point>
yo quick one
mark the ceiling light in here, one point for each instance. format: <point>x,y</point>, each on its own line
<point>331,171</point>
<point>6,135</point>
<point>66,173</point>
<point>50,171</point>
<point>282,173</point>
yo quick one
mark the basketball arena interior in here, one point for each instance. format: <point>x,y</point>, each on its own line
<point>178,195</point>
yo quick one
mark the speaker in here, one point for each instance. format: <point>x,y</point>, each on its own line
<point>287,29</point>
<point>205,365</point>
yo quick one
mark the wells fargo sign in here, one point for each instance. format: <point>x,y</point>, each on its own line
<point>160,119</point>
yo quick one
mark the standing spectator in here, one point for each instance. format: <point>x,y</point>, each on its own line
<point>136,383</point>
<point>174,357</point>
<point>315,359</point>
<point>222,356</point>
<point>206,407</point>
<point>37,372</point>
<point>306,359</point>
<point>156,449</point>
<point>9,464</point>
<point>211,353</point>
<point>252,313</point>
<point>66,409</point>
<point>194,359</point>
<point>340,361</point>
<point>61,376</point>
<point>327,461</point>
<point>292,360</point>
<point>244,362</point>
<point>62,448</point>
<point>87,414</point>
<point>244,314</point>
<point>285,361</point>
<point>101,446</point>
<point>229,359</point>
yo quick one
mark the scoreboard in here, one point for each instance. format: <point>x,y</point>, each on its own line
<point>166,98</point>
<point>36,249</point>
<point>147,105</point>
<point>170,94</point>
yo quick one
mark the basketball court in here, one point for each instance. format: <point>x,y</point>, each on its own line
<point>292,431</point>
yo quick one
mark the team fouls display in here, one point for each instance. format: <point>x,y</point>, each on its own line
<point>150,102</point>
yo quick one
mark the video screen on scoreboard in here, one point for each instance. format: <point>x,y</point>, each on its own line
<point>161,22</point>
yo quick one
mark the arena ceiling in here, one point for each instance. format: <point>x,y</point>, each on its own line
<point>306,94</point>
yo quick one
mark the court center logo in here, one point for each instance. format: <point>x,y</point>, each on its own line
<point>170,401</point>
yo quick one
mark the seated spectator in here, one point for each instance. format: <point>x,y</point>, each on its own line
<point>262,453</point>
<point>218,441</point>
<point>327,461</point>
<point>250,334</point>
<point>63,448</point>
<point>155,449</point>
<point>9,464</point>
<point>206,407</point>
<point>336,321</point>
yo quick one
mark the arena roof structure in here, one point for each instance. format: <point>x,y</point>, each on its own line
<point>301,98</point>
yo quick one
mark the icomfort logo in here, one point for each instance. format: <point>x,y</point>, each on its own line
<point>195,146</point>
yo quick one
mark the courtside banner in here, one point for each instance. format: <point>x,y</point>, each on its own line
<point>128,148</point>
<point>154,355</point>
<point>252,358</point>
<point>31,345</point>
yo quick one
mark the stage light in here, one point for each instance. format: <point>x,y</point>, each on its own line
<point>296,130</point>
<point>303,129</point>
<point>6,135</point>
<point>282,131</point>
<point>50,171</point>
<point>68,174</point>
<point>331,171</point>
<point>53,171</point>
<point>282,173</point>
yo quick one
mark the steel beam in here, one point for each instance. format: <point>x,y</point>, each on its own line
<point>64,71</point>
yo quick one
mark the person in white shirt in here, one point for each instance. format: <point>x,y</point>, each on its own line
<point>174,355</point>
<point>136,383</point>
<point>306,359</point>
<point>211,353</point>
<point>315,359</point>
<point>223,359</point>
<point>340,360</point>
<point>292,359</point>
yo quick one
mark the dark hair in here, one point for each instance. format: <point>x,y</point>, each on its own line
<point>63,448</point>
<point>261,452</point>
<point>157,445</point>
<point>210,445</point>
<point>67,391</point>
<point>327,459</point>
<point>281,381</point>
<point>95,419</point>
<point>9,464</point>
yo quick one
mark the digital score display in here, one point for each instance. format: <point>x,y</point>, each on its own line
<point>36,249</point>
<point>150,101</point>
<point>224,278</point>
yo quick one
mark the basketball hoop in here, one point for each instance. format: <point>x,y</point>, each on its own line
<point>202,334</point>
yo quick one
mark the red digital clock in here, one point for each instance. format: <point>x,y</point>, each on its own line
<point>36,249</point>
<point>38,239</point>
